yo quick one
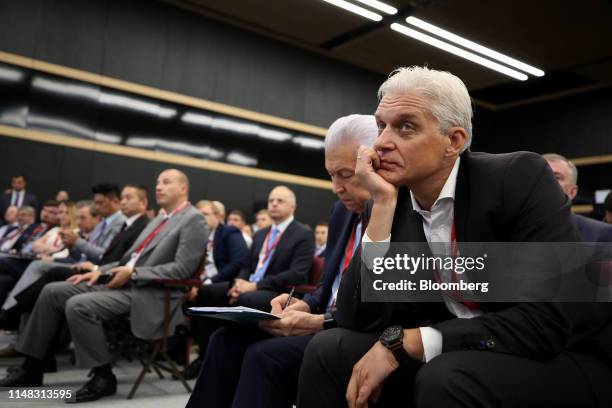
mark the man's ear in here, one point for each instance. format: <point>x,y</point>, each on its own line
<point>573,192</point>
<point>457,137</point>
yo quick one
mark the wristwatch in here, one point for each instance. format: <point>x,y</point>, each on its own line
<point>392,338</point>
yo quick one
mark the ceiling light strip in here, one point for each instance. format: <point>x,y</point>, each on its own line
<point>458,51</point>
<point>464,42</point>
<point>379,5</point>
<point>355,9</point>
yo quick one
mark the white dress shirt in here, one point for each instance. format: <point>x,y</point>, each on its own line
<point>437,225</point>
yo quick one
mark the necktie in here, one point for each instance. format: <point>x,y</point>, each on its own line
<point>271,244</point>
<point>15,199</point>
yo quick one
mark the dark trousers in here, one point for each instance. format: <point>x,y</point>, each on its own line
<point>454,379</point>
<point>216,295</point>
<point>26,299</point>
<point>248,368</point>
<point>11,270</point>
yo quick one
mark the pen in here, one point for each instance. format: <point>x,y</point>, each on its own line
<point>289,298</point>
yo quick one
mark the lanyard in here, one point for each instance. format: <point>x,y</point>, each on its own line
<point>453,294</point>
<point>270,249</point>
<point>156,231</point>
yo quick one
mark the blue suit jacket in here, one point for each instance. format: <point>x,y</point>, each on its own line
<point>341,224</point>
<point>592,230</point>
<point>229,252</point>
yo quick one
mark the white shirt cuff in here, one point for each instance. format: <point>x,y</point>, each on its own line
<point>366,238</point>
<point>432,343</point>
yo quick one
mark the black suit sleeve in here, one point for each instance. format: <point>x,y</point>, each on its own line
<point>534,330</point>
<point>299,267</point>
<point>239,257</point>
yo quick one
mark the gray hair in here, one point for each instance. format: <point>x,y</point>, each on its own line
<point>450,101</point>
<point>87,203</point>
<point>351,130</point>
<point>27,210</point>
<point>558,158</point>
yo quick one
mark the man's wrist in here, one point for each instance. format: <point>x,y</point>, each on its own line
<point>413,344</point>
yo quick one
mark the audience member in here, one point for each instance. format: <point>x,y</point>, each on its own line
<point>566,174</point>
<point>62,195</point>
<point>221,209</point>
<point>425,185</point>
<point>226,255</point>
<point>320,238</point>
<point>281,255</point>
<point>23,297</point>
<point>262,220</point>
<point>170,247</point>
<point>18,196</point>
<point>21,232</point>
<point>256,368</point>
<point>10,220</point>
<point>237,219</point>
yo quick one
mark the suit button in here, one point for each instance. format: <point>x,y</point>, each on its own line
<point>490,343</point>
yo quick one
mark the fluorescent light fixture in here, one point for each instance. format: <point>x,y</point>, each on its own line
<point>275,135</point>
<point>309,142</point>
<point>379,5</point>
<point>197,119</point>
<point>107,138</point>
<point>10,75</point>
<point>66,89</point>
<point>355,9</point>
<point>464,42</point>
<point>135,104</point>
<point>241,159</point>
<point>458,51</point>
<point>60,125</point>
<point>235,126</point>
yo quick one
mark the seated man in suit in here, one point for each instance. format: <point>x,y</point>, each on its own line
<point>133,204</point>
<point>20,244</point>
<point>281,255</point>
<point>170,247</point>
<point>236,218</point>
<point>566,174</point>
<point>226,255</point>
<point>18,235</point>
<point>18,196</point>
<point>257,368</point>
<point>10,220</point>
<point>426,186</point>
<point>106,205</point>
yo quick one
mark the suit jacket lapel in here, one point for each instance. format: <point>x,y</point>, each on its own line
<point>407,223</point>
<point>170,226</point>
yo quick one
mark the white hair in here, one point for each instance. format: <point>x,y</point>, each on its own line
<point>351,130</point>
<point>450,101</point>
<point>572,167</point>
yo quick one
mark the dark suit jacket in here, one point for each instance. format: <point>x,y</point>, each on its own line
<point>290,262</point>
<point>33,232</point>
<point>5,202</point>
<point>124,240</point>
<point>229,252</point>
<point>499,198</point>
<point>592,230</point>
<point>341,224</point>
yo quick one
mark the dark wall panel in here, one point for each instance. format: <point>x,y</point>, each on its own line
<point>72,36</point>
<point>19,25</point>
<point>135,41</point>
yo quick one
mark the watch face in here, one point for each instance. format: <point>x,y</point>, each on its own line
<point>392,335</point>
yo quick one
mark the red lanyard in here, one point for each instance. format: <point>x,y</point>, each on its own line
<point>456,295</point>
<point>156,231</point>
<point>269,248</point>
<point>350,247</point>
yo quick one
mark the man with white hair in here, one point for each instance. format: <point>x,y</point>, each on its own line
<point>427,187</point>
<point>257,368</point>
